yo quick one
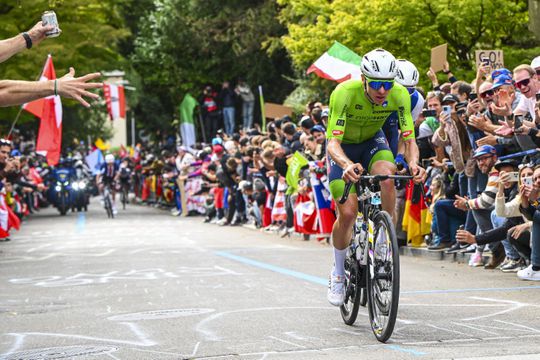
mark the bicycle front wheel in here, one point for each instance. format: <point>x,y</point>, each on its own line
<point>108,207</point>
<point>383,277</point>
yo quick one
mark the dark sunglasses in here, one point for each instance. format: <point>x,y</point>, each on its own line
<point>487,93</point>
<point>523,83</point>
<point>377,84</point>
<point>538,72</point>
<point>5,142</point>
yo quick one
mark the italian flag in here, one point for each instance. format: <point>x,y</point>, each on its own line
<point>187,124</point>
<point>339,63</point>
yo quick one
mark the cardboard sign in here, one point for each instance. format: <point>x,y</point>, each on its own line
<point>493,57</point>
<point>272,111</point>
<point>438,57</point>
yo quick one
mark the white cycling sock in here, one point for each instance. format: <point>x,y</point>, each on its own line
<point>339,259</point>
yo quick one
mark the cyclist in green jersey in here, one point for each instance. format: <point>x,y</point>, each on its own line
<point>358,111</point>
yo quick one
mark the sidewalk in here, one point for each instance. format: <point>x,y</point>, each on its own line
<point>405,250</point>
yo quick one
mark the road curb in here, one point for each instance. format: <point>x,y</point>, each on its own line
<point>439,255</point>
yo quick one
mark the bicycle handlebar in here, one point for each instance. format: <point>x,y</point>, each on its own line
<point>373,179</point>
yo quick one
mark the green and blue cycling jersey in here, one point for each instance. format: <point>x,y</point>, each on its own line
<point>358,123</point>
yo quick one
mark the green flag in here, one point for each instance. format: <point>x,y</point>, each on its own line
<point>187,124</point>
<point>297,162</point>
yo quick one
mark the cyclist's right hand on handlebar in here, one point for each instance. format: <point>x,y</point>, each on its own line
<point>352,173</point>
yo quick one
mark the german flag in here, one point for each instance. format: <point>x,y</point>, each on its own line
<point>416,218</point>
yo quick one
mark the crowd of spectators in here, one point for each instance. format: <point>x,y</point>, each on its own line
<point>484,171</point>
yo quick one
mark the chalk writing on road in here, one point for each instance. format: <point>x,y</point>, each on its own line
<point>107,277</point>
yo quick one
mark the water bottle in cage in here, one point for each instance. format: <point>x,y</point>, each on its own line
<point>361,251</point>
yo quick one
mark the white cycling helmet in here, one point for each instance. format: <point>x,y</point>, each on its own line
<point>379,64</point>
<point>536,62</point>
<point>109,158</point>
<point>407,74</point>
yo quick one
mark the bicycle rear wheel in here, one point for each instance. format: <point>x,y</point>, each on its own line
<point>349,309</point>
<point>383,277</point>
<point>108,207</point>
<point>124,198</point>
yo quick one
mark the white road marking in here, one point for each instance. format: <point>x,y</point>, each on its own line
<point>38,248</point>
<point>287,342</point>
<point>519,325</point>
<point>517,305</point>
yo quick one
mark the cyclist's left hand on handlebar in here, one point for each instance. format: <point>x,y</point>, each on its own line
<point>418,172</point>
<point>352,173</point>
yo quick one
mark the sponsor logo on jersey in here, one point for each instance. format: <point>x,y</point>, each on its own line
<point>358,107</point>
<point>340,122</point>
<point>380,140</point>
<point>407,133</point>
<point>337,132</point>
<point>344,110</point>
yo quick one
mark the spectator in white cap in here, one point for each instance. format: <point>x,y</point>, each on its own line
<point>324,117</point>
<point>184,159</point>
<point>535,64</point>
<point>230,147</point>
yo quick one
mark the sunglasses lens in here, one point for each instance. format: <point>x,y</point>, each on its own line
<point>388,85</point>
<point>487,93</point>
<point>375,85</point>
<point>523,83</point>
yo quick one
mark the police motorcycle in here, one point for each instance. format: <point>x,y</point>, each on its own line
<point>81,187</point>
<point>61,191</point>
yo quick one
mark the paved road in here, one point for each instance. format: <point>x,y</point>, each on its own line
<point>150,286</point>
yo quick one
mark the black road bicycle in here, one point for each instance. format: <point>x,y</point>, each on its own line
<point>372,262</point>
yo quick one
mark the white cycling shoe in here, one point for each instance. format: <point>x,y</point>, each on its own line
<point>336,290</point>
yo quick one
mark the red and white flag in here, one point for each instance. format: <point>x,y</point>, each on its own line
<point>8,219</point>
<point>49,110</point>
<point>116,102</point>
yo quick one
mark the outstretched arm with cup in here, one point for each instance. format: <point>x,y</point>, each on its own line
<point>18,43</point>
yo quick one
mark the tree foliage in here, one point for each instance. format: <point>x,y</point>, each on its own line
<point>409,29</point>
<point>183,45</point>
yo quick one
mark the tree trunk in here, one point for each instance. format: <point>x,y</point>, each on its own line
<point>534,17</point>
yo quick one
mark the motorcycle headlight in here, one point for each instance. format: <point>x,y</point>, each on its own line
<point>58,188</point>
<point>82,185</point>
<point>75,186</point>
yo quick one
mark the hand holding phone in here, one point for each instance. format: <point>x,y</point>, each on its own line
<point>513,176</point>
<point>447,109</point>
<point>528,181</point>
<point>429,113</point>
